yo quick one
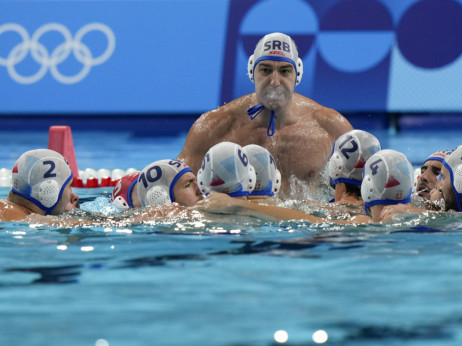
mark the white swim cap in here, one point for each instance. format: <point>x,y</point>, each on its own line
<point>40,176</point>
<point>268,177</point>
<point>349,154</point>
<point>453,163</point>
<point>388,179</point>
<point>276,47</point>
<point>439,155</point>
<point>157,180</point>
<point>121,195</point>
<point>226,168</point>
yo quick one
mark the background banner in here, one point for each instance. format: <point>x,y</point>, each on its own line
<point>190,56</point>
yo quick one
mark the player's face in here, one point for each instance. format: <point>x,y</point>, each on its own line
<point>68,201</point>
<point>274,83</point>
<point>428,177</point>
<point>186,190</point>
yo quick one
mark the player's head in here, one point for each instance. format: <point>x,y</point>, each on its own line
<point>451,182</point>
<point>226,168</point>
<point>429,173</point>
<point>349,154</point>
<point>43,177</point>
<point>388,179</point>
<point>122,195</point>
<point>268,177</point>
<point>162,182</point>
<point>276,47</point>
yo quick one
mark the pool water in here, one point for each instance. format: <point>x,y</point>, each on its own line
<point>230,281</point>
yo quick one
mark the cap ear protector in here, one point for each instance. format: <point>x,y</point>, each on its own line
<point>48,193</point>
<point>335,168</point>
<point>251,65</point>
<point>453,163</point>
<point>202,182</point>
<point>251,179</point>
<point>456,182</point>
<point>250,69</point>
<point>277,182</point>
<point>457,185</point>
<point>368,190</point>
<point>299,71</point>
<point>120,203</point>
<point>157,196</point>
<point>458,178</point>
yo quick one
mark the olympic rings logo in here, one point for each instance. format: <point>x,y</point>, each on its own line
<point>51,61</point>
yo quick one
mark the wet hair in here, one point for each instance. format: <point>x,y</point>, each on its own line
<point>353,189</point>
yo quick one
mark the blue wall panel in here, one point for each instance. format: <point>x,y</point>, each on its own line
<point>190,56</point>
<point>167,56</point>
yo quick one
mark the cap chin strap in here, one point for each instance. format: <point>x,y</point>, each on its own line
<point>47,206</point>
<point>387,202</point>
<point>255,110</point>
<point>129,193</point>
<point>175,180</point>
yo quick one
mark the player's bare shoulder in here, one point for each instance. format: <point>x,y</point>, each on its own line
<point>327,118</point>
<point>224,118</point>
<point>10,211</point>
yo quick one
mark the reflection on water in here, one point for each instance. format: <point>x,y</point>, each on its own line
<point>228,281</point>
<point>233,281</point>
<point>56,275</point>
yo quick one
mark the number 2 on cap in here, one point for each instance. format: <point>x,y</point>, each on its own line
<point>49,173</point>
<point>345,151</point>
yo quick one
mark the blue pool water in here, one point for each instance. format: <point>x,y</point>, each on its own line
<point>228,281</point>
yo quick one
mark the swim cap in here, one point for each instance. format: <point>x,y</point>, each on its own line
<point>453,163</point>
<point>349,154</point>
<point>226,168</point>
<point>121,195</point>
<point>439,155</point>
<point>157,180</point>
<point>388,179</point>
<point>40,176</point>
<point>276,47</point>
<point>268,177</point>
